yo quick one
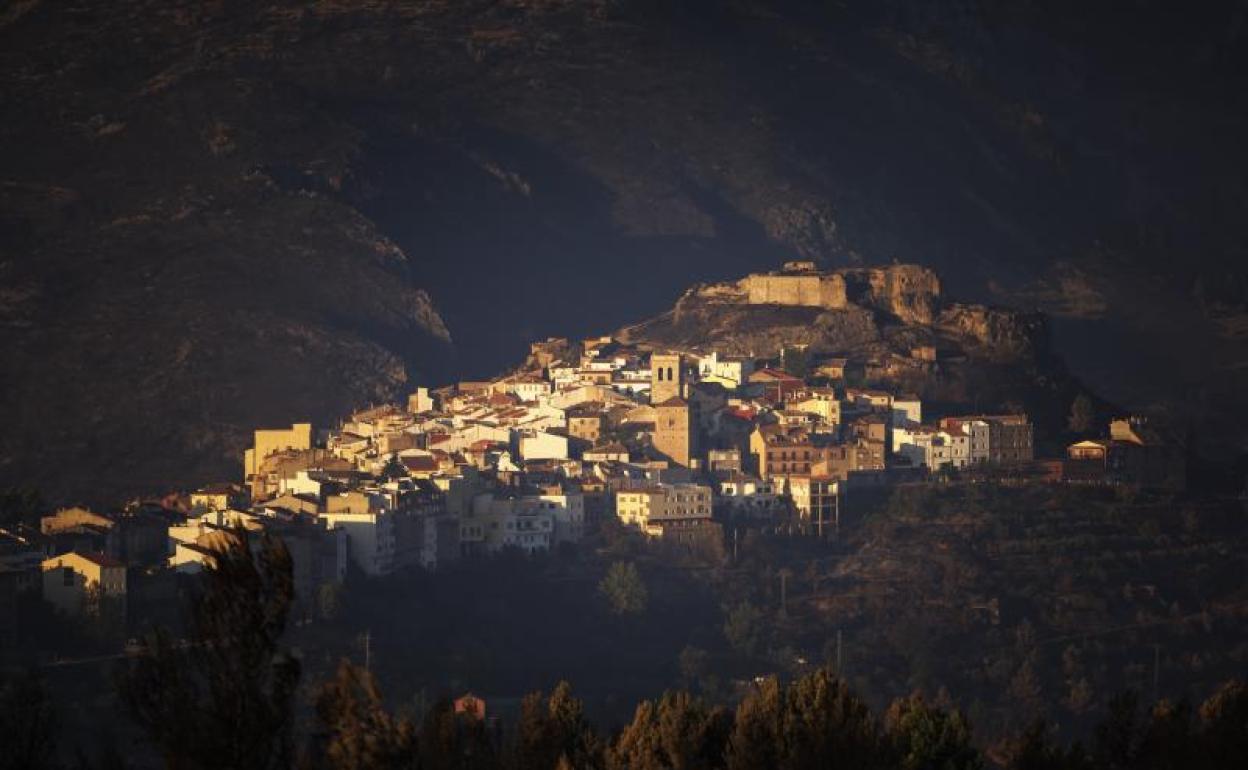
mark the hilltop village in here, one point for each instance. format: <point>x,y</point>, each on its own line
<point>679,444</point>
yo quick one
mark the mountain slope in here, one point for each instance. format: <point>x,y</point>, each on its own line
<point>285,191</point>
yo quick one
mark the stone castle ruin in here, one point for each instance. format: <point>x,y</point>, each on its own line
<point>909,292</point>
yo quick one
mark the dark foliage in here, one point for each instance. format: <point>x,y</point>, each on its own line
<point>222,698</point>
<point>27,725</point>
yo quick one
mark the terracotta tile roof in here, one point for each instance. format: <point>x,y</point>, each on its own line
<point>774,374</point>
<point>673,401</point>
<point>420,463</point>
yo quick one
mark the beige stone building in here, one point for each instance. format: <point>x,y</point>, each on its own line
<point>673,431</point>
<point>267,442</point>
<point>667,377</point>
<point>75,583</point>
<point>585,422</point>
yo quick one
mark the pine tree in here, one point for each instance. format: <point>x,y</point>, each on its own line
<point>755,740</point>
<point>744,629</point>
<point>825,724</point>
<point>814,722</point>
<point>624,590</point>
<point>677,732</point>
<point>223,698</point>
<point>1224,726</point>
<point>924,736</point>
<point>358,733</point>
<point>551,730</point>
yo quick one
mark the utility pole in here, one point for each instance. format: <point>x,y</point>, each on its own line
<point>838,511</point>
<point>368,650</point>
<point>1156,670</point>
<point>784,584</point>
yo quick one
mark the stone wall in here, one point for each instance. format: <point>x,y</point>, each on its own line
<point>825,291</point>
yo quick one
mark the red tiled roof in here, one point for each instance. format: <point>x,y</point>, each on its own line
<point>673,401</point>
<point>420,463</point>
<point>775,374</point>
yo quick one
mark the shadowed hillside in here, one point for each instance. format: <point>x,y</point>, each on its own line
<point>217,215</point>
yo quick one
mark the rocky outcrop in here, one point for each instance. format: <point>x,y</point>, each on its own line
<point>890,309</point>
<point>762,330</point>
<point>896,326</point>
<point>911,293</point>
<point>995,332</point>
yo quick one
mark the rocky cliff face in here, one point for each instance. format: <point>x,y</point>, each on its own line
<point>997,333</point>
<point>911,293</point>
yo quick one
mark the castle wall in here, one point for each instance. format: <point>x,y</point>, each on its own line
<point>826,291</point>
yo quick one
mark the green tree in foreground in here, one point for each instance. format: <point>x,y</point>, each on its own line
<point>624,590</point>
<point>928,738</point>
<point>222,698</point>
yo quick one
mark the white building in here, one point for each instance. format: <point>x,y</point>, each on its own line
<point>544,446</point>
<point>525,389</point>
<point>979,433</point>
<point>496,523</point>
<point>932,447</point>
<point>302,483</point>
<point>748,495</point>
<point>420,401</point>
<point>731,372</point>
<point>568,511</point>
